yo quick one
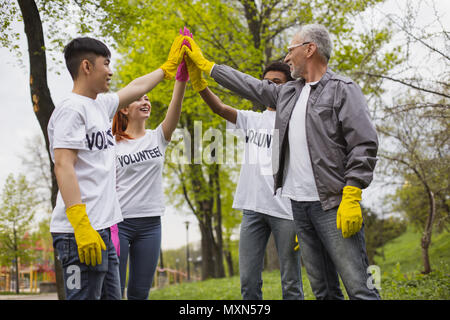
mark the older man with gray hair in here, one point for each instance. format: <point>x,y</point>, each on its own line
<point>326,155</point>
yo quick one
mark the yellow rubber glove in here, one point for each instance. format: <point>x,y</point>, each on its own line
<point>197,80</point>
<point>175,57</point>
<point>197,57</point>
<point>89,241</point>
<point>297,247</point>
<point>349,217</point>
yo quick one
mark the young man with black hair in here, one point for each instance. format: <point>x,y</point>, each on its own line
<point>82,148</point>
<point>263,213</point>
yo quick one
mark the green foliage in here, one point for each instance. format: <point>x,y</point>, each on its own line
<point>16,217</point>
<point>360,54</point>
<point>416,286</point>
<point>176,258</point>
<point>412,201</point>
<point>380,231</point>
<point>9,12</point>
<point>58,19</point>
<point>415,148</point>
<point>42,238</point>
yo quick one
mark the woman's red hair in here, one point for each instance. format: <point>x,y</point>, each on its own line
<point>119,125</point>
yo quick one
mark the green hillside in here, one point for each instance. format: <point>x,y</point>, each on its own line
<point>406,251</point>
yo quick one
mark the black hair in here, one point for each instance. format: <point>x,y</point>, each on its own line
<point>279,66</point>
<point>83,48</point>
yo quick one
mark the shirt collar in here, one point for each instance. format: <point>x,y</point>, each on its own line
<point>326,76</point>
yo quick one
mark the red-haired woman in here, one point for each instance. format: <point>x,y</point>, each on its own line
<point>139,164</point>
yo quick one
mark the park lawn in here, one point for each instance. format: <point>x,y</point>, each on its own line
<point>406,251</point>
<point>400,280</point>
<point>224,289</point>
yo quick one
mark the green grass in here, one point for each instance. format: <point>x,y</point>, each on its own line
<point>401,278</point>
<point>13,293</point>
<point>223,289</point>
<point>406,251</point>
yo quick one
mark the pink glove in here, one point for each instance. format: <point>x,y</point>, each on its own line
<point>115,238</point>
<point>182,72</point>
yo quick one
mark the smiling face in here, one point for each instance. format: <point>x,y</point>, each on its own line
<point>139,109</point>
<point>297,55</point>
<point>100,75</point>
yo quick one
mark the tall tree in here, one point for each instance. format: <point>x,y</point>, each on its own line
<point>19,202</point>
<point>414,125</point>
<point>39,92</point>
<point>36,164</point>
<point>418,149</point>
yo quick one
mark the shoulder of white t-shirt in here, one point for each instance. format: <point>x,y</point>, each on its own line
<point>250,113</point>
<point>151,132</point>
<point>72,101</point>
<point>107,97</point>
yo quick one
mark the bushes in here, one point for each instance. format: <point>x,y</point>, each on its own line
<point>417,286</point>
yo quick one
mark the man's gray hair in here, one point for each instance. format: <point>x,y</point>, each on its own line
<point>318,34</point>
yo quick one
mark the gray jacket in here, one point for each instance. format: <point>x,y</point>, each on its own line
<point>341,138</point>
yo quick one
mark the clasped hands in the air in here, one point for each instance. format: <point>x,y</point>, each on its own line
<point>186,61</point>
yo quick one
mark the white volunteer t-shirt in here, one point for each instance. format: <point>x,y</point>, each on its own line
<point>299,184</point>
<point>84,124</point>
<point>255,187</point>
<point>139,166</point>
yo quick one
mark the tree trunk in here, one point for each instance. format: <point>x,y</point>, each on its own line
<point>208,269</point>
<point>426,238</point>
<point>229,260</point>
<point>40,96</point>
<point>16,275</point>
<point>205,194</point>
<point>16,260</point>
<point>218,226</point>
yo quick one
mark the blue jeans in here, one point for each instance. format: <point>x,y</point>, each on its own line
<point>83,282</point>
<point>140,239</point>
<point>326,253</point>
<point>254,235</point>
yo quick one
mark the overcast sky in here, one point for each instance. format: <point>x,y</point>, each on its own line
<point>18,123</point>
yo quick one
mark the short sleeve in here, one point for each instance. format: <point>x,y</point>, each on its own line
<point>160,136</point>
<point>110,101</point>
<point>243,121</point>
<point>69,130</point>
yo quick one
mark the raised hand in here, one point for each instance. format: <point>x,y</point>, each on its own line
<point>182,72</point>
<point>175,57</point>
